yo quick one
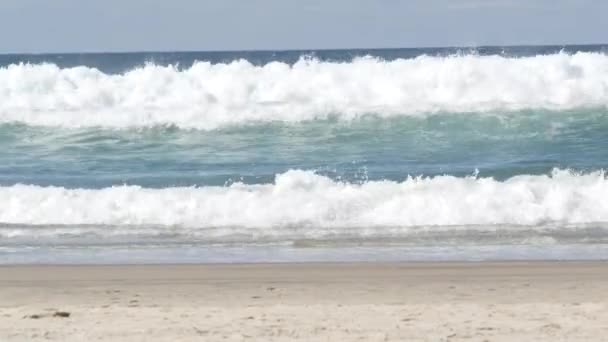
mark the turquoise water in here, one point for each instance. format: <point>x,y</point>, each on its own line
<point>498,145</point>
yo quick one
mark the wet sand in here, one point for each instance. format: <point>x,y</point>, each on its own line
<point>515,301</point>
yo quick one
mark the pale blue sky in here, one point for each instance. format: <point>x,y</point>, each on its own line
<point>159,25</point>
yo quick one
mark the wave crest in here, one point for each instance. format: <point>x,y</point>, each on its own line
<point>304,199</point>
<point>207,96</point>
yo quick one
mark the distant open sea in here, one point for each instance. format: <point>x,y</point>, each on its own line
<point>490,153</point>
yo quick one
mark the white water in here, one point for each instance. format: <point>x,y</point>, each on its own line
<point>208,96</point>
<point>318,204</point>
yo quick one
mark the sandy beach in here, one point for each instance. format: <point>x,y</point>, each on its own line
<point>549,301</point>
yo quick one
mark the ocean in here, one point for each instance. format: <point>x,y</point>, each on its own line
<point>446,154</point>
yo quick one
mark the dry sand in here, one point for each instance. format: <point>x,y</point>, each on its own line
<point>309,302</point>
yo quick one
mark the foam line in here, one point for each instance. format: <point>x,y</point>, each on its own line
<point>320,205</point>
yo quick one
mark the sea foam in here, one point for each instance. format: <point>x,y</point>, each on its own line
<point>208,96</point>
<point>320,205</point>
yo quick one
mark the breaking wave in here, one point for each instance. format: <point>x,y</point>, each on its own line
<point>208,96</point>
<point>318,204</point>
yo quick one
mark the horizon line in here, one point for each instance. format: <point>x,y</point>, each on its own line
<point>300,49</point>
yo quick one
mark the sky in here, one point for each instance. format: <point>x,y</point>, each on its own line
<point>37,26</point>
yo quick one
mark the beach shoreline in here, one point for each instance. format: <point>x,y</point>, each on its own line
<point>397,301</point>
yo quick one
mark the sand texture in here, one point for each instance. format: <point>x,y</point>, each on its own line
<point>534,301</point>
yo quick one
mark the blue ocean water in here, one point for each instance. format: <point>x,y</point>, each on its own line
<point>397,154</point>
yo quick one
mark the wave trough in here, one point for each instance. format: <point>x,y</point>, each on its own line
<point>208,96</point>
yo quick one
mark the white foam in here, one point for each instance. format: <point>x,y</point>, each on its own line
<point>208,95</point>
<point>318,205</point>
